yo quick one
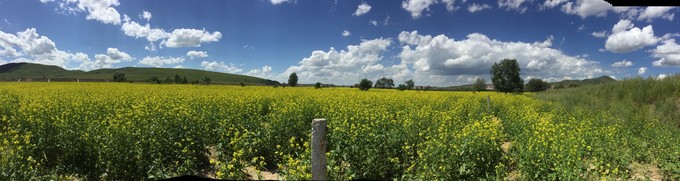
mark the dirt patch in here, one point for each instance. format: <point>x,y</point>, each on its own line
<point>506,146</point>
<point>645,172</point>
<point>514,176</point>
<point>261,175</point>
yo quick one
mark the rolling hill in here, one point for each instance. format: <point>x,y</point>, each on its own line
<point>564,83</point>
<point>14,71</point>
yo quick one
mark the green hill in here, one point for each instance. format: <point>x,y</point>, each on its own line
<point>13,71</point>
<point>576,83</point>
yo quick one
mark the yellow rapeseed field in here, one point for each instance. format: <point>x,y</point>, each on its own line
<point>123,131</point>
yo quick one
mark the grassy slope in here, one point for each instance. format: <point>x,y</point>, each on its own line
<point>28,70</point>
<point>648,109</point>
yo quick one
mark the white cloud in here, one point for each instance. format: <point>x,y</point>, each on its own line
<point>100,10</point>
<point>513,5</point>
<point>599,34</point>
<point>449,60</point>
<point>668,53</point>
<point>197,54</point>
<point>112,56</point>
<point>416,7</point>
<point>653,12</point>
<point>276,2</point>
<point>449,4</point>
<point>158,61</point>
<point>585,8</point>
<point>552,3</point>
<point>627,38</point>
<point>191,37</point>
<point>363,8</point>
<point>474,7</point>
<point>264,72</point>
<point>642,70</point>
<point>345,66</point>
<point>134,29</point>
<point>374,22</point>
<point>661,76</point>
<point>622,63</point>
<point>346,33</point>
<point>146,15</point>
<point>220,66</point>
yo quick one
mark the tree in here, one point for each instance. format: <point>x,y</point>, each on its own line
<point>401,87</point>
<point>243,84</point>
<point>293,80</point>
<point>119,77</point>
<point>317,85</point>
<point>184,80</point>
<point>178,79</point>
<point>206,80</point>
<point>384,83</point>
<point>536,85</point>
<point>155,79</point>
<point>505,76</point>
<point>410,84</point>
<point>365,84</point>
<point>168,80</point>
<point>480,84</point>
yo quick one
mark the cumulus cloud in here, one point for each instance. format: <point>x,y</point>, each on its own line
<point>346,66</point>
<point>134,29</point>
<point>627,38</point>
<point>585,8</point>
<point>191,37</point>
<point>159,61</point>
<point>112,56</point>
<point>622,63</point>
<point>447,59</point>
<point>642,70</point>
<point>197,54</point>
<point>599,34</point>
<point>29,46</point>
<point>220,66</point>
<point>346,33</point>
<point>363,8</point>
<point>416,7</point>
<point>264,72</point>
<point>100,10</point>
<point>600,8</point>
<point>145,15</point>
<point>668,53</point>
<point>474,7</point>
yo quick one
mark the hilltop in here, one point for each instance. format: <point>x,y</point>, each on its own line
<point>14,71</point>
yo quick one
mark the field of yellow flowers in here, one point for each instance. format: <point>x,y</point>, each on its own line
<point>113,131</point>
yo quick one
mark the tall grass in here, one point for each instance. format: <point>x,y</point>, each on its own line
<point>646,107</point>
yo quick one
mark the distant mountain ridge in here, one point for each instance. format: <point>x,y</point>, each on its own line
<point>14,71</point>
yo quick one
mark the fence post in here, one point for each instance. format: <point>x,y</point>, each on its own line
<point>319,143</point>
<point>488,103</point>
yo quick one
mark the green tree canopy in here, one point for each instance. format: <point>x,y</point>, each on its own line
<point>480,84</point>
<point>505,76</point>
<point>293,79</point>
<point>536,85</point>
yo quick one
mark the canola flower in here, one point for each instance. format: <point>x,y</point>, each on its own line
<point>120,131</point>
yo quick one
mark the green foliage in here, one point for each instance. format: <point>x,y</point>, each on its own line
<point>505,76</point>
<point>155,80</point>
<point>384,83</point>
<point>480,85</point>
<point>410,84</point>
<point>119,77</point>
<point>536,85</point>
<point>317,85</point>
<point>401,87</point>
<point>364,85</point>
<point>207,80</point>
<point>293,80</point>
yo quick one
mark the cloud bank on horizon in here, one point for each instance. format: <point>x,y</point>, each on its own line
<point>433,42</point>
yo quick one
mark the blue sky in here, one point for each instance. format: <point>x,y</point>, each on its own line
<point>433,42</point>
